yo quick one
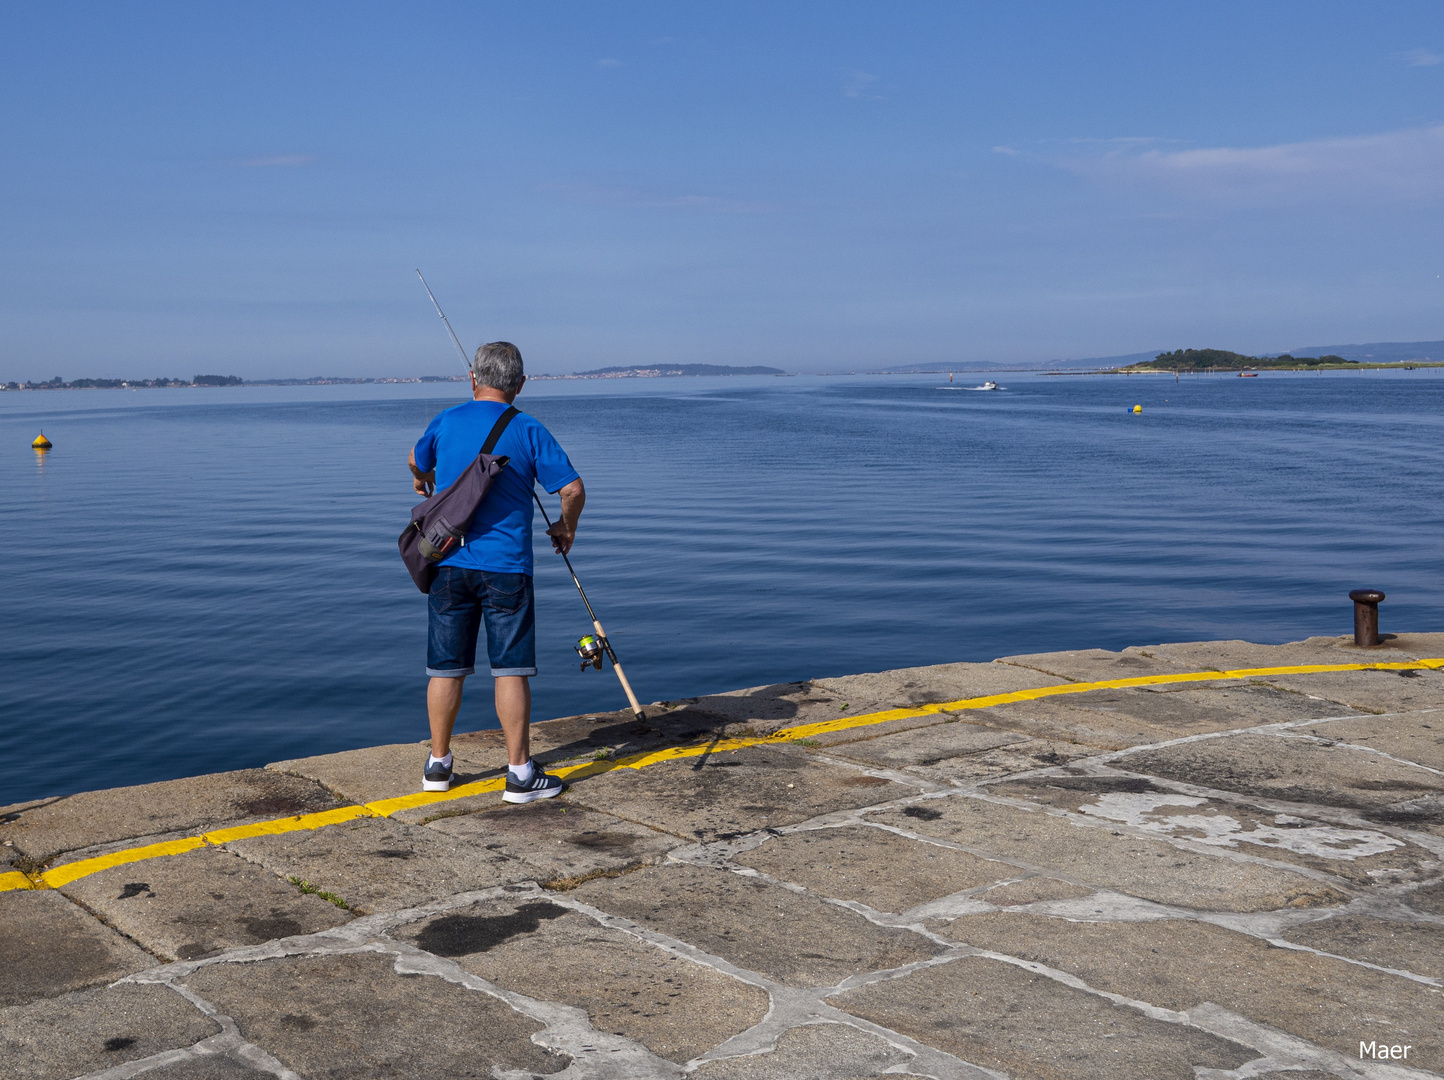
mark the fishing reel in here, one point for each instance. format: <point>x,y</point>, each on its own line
<point>590,649</point>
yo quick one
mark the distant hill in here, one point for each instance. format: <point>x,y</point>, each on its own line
<point>1223,360</point>
<point>662,370</point>
<point>1382,352</point>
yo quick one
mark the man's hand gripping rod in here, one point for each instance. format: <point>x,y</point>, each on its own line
<point>597,626</point>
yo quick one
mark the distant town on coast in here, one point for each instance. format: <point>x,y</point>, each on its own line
<point>1388,354</point>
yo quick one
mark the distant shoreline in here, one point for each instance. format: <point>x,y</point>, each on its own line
<point>212,381</point>
<point>232,381</point>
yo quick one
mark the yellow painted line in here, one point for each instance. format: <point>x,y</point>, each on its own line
<point>63,875</point>
<point>285,825</point>
<point>803,731</point>
<point>14,879</point>
<point>387,807</point>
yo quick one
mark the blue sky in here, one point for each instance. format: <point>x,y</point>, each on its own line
<point>247,188</point>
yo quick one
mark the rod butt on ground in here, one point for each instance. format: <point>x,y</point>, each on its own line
<point>621,675</point>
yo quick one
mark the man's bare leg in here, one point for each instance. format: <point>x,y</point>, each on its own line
<point>513,709</point>
<point>443,702</point>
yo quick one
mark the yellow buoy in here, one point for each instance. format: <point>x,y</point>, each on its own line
<point>41,442</point>
<point>1138,408</point>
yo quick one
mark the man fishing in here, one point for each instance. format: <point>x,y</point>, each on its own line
<point>490,579</point>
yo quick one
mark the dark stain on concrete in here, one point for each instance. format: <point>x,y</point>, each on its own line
<point>1133,785</point>
<point>267,928</point>
<point>1429,899</point>
<point>462,935</point>
<point>120,1042</point>
<point>601,841</point>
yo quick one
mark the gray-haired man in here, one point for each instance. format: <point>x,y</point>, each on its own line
<point>490,578</point>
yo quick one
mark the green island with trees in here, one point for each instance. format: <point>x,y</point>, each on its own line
<point>1201,360</point>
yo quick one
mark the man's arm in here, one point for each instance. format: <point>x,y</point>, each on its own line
<point>425,482</point>
<point>564,531</point>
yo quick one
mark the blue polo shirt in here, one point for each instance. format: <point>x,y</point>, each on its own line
<point>500,535</point>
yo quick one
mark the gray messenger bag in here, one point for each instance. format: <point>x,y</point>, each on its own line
<point>438,525</point>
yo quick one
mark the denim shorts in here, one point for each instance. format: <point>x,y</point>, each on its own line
<point>459,600</point>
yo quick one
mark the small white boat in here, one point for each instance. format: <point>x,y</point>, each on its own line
<point>989,385</point>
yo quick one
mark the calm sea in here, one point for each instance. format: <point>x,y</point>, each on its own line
<point>198,580</point>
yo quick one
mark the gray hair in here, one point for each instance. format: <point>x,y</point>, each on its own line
<point>498,366</point>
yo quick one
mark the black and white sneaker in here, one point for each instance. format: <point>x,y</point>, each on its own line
<point>437,777</point>
<point>540,786</point>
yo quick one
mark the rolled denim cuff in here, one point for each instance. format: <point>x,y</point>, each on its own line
<point>451,672</point>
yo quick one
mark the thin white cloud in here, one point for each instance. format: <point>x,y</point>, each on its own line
<point>1005,150</point>
<point>280,161</point>
<point>608,62</point>
<point>1421,58</point>
<point>601,195</point>
<point>1122,140</point>
<point>859,85</point>
<point>1406,164</point>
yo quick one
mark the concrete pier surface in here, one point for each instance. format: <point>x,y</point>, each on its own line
<point>1205,860</point>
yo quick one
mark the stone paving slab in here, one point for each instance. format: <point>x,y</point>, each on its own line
<point>374,864</point>
<point>1115,719</point>
<point>1236,655</point>
<point>1317,998</point>
<point>921,747</point>
<point>559,840</point>
<point>1370,691</point>
<point>1096,665</point>
<point>733,792</point>
<point>1301,769</point>
<point>870,867</point>
<point>1108,858</point>
<point>817,1052</point>
<point>365,775</point>
<point>1417,737</point>
<point>193,804</point>
<point>676,1008</point>
<point>1428,900</point>
<point>1359,855</point>
<point>200,903</point>
<point>50,947</point>
<point>1027,755</point>
<point>930,685</point>
<point>1033,890</point>
<point>1403,946</point>
<point>214,1067</point>
<point>355,1018</point>
<point>791,938</point>
<point>1033,1028</point>
<point>78,1033</point>
<point>935,895</point>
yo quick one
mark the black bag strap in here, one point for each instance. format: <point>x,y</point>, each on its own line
<point>497,428</point>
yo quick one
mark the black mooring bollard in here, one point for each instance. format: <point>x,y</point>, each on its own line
<point>1366,615</point>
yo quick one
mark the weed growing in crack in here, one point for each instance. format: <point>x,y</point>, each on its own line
<point>566,884</point>
<point>308,888</point>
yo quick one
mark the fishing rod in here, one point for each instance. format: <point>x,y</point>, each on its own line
<point>464,358</point>
<point>589,648</point>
